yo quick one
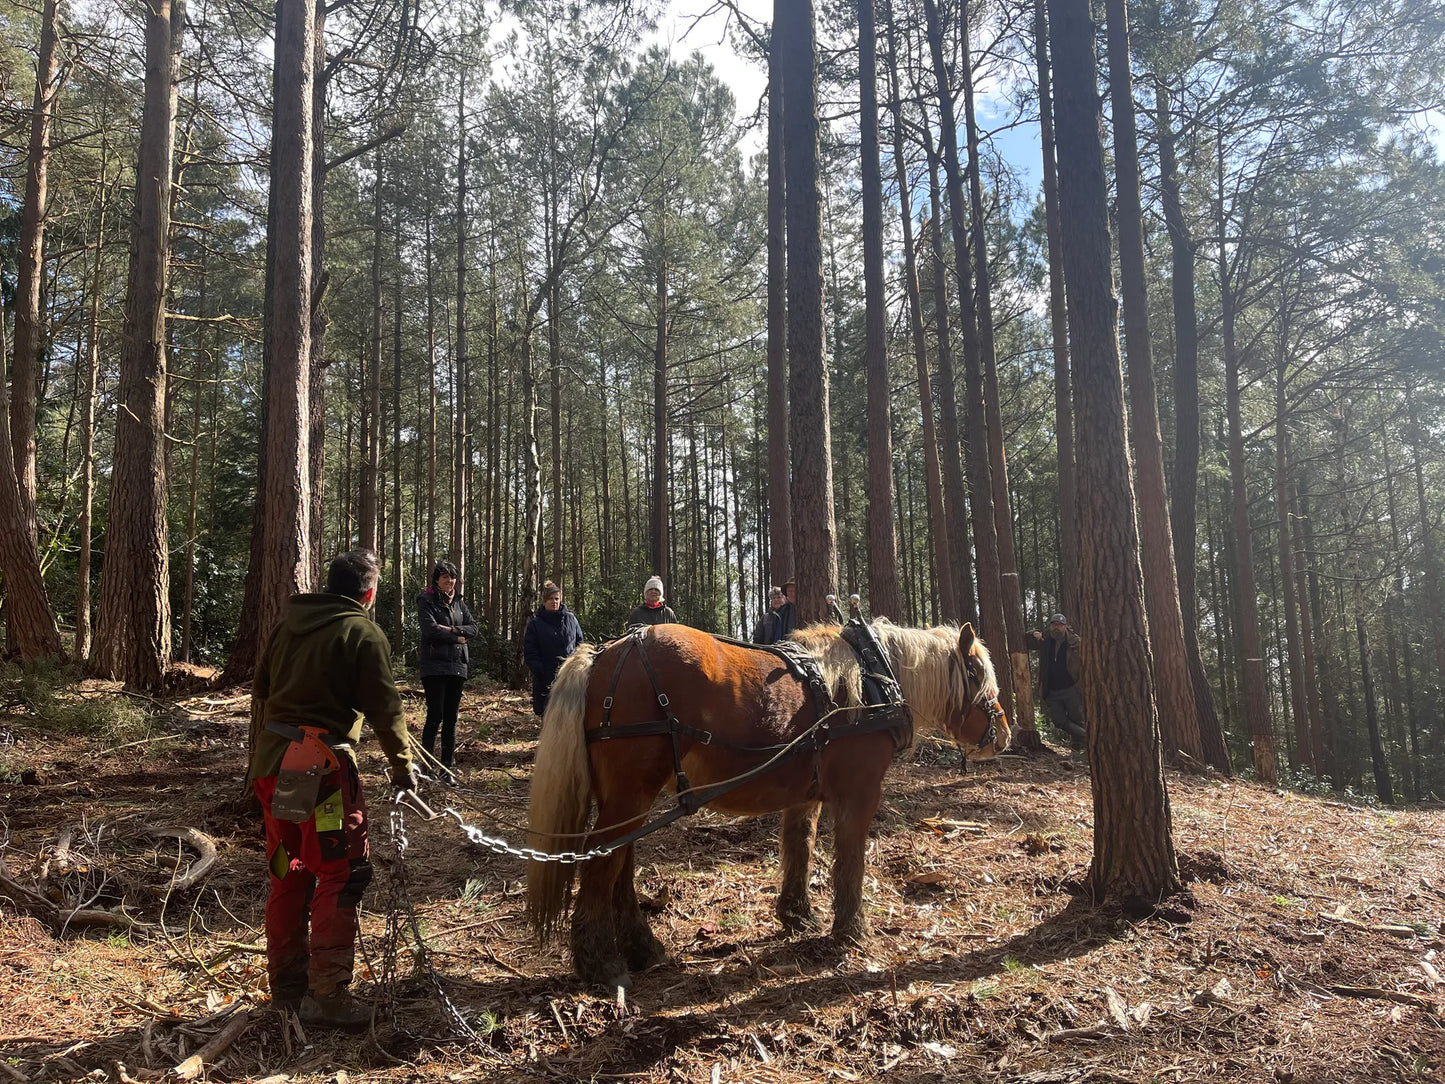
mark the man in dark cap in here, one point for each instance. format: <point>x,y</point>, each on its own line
<point>1058,650</point>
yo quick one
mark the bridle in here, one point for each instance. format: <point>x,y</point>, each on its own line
<point>954,722</point>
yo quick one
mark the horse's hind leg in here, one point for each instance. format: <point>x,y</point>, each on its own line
<point>851,818</point>
<point>800,827</point>
<point>639,947</point>
<point>594,937</point>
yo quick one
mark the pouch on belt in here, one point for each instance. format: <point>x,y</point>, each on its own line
<point>307,760</point>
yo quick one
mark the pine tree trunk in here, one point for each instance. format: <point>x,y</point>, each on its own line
<point>398,573</point>
<point>1010,587</point>
<point>133,628</point>
<point>814,528</point>
<point>1183,516</point>
<point>319,281</point>
<point>882,546</point>
<point>1068,549</point>
<point>198,370</point>
<point>287,568</point>
<point>459,347</point>
<point>661,439</point>
<point>1429,544</point>
<point>933,478</point>
<point>1383,790</point>
<point>30,266</point>
<point>1134,861</point>
<point>1246,607</point>
<point>554,370</point>
<point>1174,690</point>
<point>980,470</point>
<point>84,527</point>
<point>951,452</point>
<point>1285,547</point>
<point>780,498</point>
<point>431,410</point>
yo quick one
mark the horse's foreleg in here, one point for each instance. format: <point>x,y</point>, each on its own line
<point>800,827</point>
<point>851,818</point>
<point>639,947</point>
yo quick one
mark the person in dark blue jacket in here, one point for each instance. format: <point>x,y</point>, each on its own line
<point>552,635</point>
<point>446,626</point>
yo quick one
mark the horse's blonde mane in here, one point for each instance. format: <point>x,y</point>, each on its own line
<point>920,659</point>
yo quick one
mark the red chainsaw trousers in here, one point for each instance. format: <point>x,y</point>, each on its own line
<point>318,871</point>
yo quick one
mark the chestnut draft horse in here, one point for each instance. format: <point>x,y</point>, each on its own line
<point>732,711</point>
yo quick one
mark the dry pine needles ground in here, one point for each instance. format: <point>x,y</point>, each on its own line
<point>1312,952</point>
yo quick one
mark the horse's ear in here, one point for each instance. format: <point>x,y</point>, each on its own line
<point>966,638</point>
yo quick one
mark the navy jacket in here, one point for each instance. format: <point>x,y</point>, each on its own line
<point>442,654</point>
<point>550,637</point>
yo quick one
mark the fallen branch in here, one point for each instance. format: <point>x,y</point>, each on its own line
<point>1375,993</point>
<point>140,741</point>
<point>1391,928</point>
<point>201,843</point>
<point>195,1065</point>
<point>1098,1031</point>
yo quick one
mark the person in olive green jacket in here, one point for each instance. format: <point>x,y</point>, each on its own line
<point>326,666</point>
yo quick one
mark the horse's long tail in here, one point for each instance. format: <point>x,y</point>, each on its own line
<point>561,792</point>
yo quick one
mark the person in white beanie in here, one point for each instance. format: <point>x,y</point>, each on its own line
<point>653,611</point>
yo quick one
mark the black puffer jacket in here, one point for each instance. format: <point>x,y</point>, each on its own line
<point>442,653</point>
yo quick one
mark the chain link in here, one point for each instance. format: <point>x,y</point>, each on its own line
<point>531,854</point>
<point>401,919</point>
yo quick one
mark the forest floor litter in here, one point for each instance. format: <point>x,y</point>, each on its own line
<point>1312,951</point>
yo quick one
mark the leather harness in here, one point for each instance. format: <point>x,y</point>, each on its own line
<point>882,708</point>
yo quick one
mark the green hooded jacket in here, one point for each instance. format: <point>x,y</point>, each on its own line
<point>327,664</point>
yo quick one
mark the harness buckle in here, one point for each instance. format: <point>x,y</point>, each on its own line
<point>663,701</point>
<point>607,703</point>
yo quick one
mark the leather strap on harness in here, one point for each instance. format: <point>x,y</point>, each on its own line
<point>880,688</point>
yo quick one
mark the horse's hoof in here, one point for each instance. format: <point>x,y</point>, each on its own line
<point>852,934</point>
<point>644,956</point>
<point>607,979</point>
<point>798,923</point>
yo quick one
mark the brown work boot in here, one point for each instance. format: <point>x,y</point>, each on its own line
<point>338,1009</point>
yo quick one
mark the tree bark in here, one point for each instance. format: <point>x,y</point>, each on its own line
<point>933,478</point>
<point>882,545</point>
<point>29,620</point>
<point>459,348</point>
<point>1173,687</point>
<point>780,498</point>
<point>133,629</point>
<point>1068,555</point>
<point>1134,861</point>
<point>30,267</point>
<point>84,527</point>
<point>1429,544</point>
<point>1246,606</point>
<point>398,573</point>
<point>1182,510</point>
<point>1383,790</point>
<point>661,438</point>
<point>951,453</point>
<point>1010,587</point>
<point>1311,673</point>
<point>814,529</point>
<point>319,280</point>
<point>1304,747</point>
<point>286,567</point>
<point>980,470</point>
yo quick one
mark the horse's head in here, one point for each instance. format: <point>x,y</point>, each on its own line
<point>975,721</point>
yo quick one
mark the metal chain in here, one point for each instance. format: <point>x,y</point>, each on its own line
<point>501,846</point>
<point>402,917</point>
